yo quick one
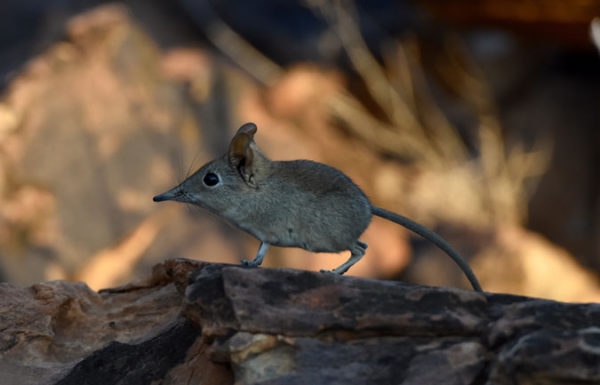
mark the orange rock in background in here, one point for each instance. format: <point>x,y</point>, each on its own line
<point>542,20</point>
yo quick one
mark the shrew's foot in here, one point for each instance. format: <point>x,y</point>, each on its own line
<point>249,263</point>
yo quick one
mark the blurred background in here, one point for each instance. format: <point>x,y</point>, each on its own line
<point>478,119</point>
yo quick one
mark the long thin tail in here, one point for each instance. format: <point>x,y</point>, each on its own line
<point>433,237</point>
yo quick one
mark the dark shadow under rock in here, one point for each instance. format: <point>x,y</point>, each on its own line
<point>141,364</point>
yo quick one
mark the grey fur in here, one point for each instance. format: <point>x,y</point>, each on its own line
<point>297,203</point>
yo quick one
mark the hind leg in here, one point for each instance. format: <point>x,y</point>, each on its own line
<point>357,252</point>
<point>260,255</point>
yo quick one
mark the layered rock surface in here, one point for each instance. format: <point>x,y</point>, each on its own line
<point>198,323</point>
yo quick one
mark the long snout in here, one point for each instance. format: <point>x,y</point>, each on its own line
<point>175,194</point>
<point>162,197</point>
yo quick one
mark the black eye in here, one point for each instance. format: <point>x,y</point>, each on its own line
<point>211,179</point>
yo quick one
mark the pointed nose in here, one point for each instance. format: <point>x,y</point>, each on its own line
<point>160,198</point>
<point>170,195</point>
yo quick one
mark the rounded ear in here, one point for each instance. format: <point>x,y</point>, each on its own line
<point>241,151</point>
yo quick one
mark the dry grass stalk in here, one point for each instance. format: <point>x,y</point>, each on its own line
<point>415,126</point>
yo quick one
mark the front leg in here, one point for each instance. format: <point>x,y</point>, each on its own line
<point>260,255</point>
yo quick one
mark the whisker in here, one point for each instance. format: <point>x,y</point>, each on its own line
<point>189,207</point>
<point>191,167</point>
<point>180,168</point>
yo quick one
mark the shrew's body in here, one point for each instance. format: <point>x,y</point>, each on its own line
<point>297,203</point>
